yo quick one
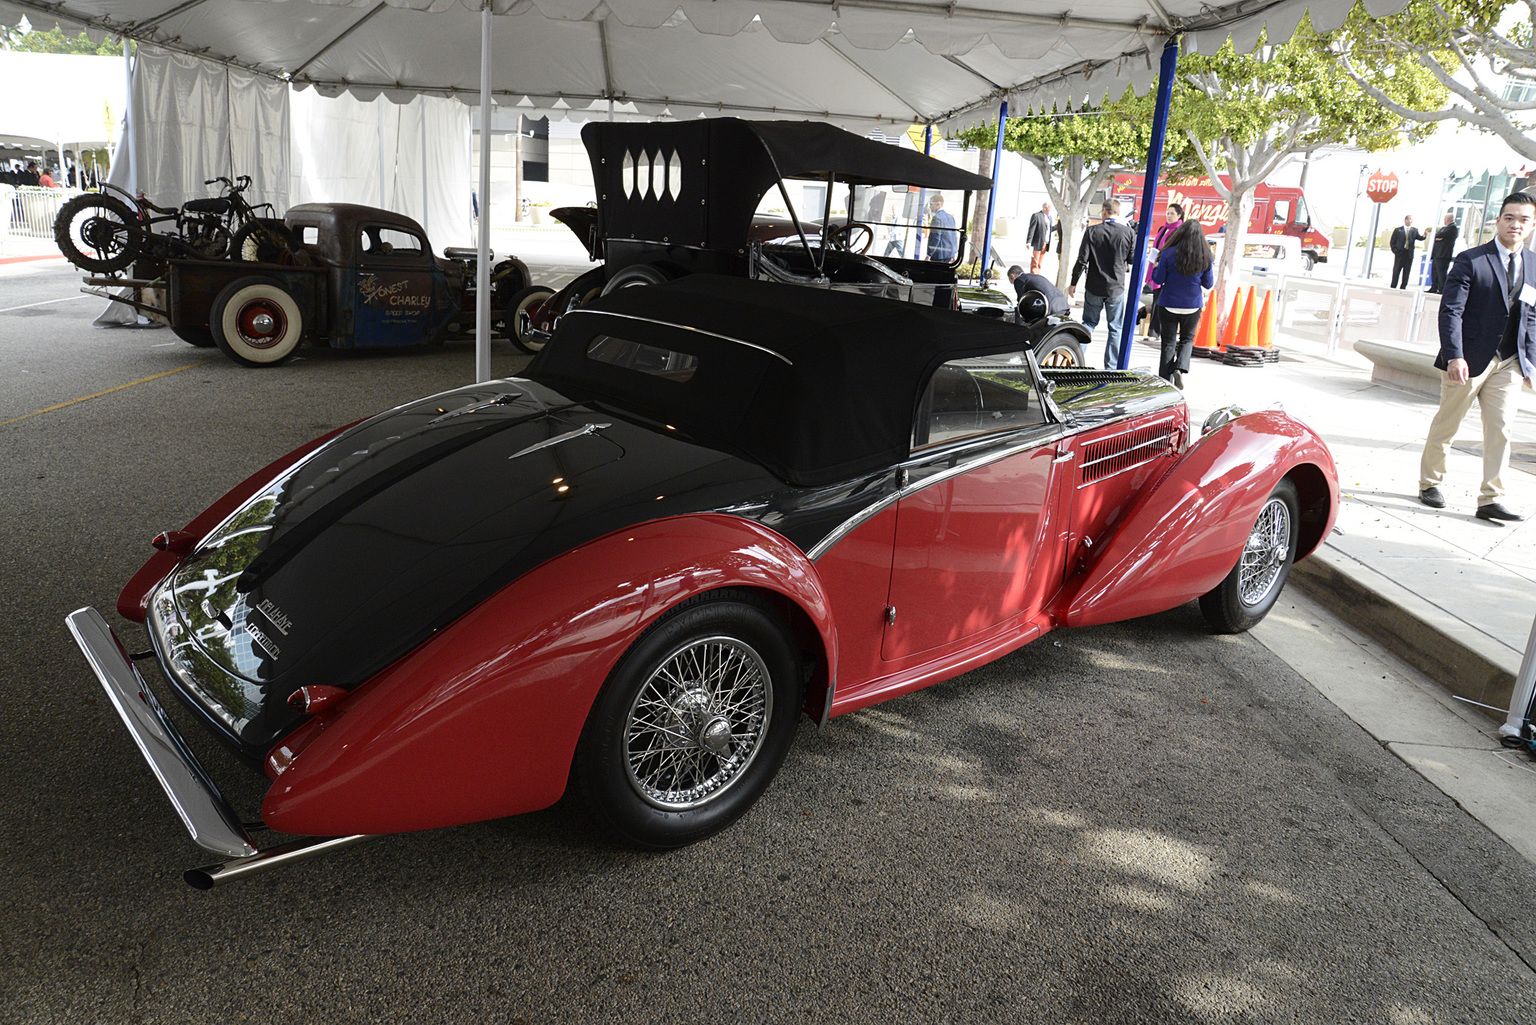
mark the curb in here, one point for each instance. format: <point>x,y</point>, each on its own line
<point>1459,658</point>
<point>29,259</point>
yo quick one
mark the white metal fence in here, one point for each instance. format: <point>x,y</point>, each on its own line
<point>26,217</point>
<point>1340,313</point>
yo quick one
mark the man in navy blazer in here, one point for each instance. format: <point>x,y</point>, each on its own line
<point>1487,346</point>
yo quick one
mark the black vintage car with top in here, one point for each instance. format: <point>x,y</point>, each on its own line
<point>796,202</point>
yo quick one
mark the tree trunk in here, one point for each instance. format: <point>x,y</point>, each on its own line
<point>1239,209</point>
<point>979,215</point>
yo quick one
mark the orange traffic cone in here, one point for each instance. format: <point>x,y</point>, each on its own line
<point>1234,318</point>
<point>1205,334</point>
<point>1247,331</point>
<point>1266,339</point>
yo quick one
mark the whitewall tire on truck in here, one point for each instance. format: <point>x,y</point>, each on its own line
<point>256,322</point>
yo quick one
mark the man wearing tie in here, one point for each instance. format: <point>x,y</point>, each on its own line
<point>1487,345</point>
<point>1039,237</point>
<point>1404,240</point>
<point>1440,254</point>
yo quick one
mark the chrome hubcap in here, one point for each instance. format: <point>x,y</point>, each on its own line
<point>698,722</point>
<point>1265,553</point>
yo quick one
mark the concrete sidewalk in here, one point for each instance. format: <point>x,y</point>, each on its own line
<point>1441,601</point>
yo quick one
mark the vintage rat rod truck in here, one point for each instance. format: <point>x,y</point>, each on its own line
<point>363,277</point>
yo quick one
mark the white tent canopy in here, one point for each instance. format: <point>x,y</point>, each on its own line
<point>859,63</point>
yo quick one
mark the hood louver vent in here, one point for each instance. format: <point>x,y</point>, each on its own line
<point>1109,456</point>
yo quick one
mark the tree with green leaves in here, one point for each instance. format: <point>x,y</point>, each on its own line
<point>1246,116</point>
<point>31,40</point>
<point>1076,153</point>
<point>1482,39</point>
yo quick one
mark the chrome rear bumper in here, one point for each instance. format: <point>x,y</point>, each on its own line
<point>204,811</point>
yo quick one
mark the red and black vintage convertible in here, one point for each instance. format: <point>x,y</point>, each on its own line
<point>712,506</point>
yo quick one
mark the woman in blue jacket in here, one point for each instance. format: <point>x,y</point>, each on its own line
<point>1184,272</point>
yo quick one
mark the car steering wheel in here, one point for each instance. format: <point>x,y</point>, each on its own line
<point>855,236</point>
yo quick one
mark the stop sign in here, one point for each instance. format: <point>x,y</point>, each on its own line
<point>1381,187</point>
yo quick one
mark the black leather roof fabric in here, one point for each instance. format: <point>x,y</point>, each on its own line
<point>815,385</point>
<point>697,183</point>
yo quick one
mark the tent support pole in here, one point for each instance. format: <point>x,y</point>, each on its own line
<point>997,163</point>
<point>1148,197</point>
<point>483,253</point>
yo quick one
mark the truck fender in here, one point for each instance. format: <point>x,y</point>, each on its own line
<point>482,720</point>
<point>1185,533</point>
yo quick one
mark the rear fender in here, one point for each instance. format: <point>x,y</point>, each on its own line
<point>482,720</point>
<point>1185,533</point>
<point>133,601</point>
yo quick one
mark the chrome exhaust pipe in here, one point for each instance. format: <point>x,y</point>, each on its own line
<point>209,876</point>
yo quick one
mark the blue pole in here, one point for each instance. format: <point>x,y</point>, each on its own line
<point>1149,196</point>
<point>997,163</point>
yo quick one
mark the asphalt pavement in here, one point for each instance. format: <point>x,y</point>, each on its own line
<point>1138,822</point>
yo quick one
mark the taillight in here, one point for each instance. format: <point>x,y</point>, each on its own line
<point>177,542</point>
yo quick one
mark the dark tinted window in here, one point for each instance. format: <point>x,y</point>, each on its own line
<point>648,359</point>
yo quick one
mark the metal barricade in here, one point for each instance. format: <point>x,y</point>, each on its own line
<point>1376,312</point>
<point>29,213</point>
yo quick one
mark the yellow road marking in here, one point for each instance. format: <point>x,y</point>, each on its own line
<point>109,391</point>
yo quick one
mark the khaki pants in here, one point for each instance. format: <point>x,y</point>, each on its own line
<point>1496,390</point>
<point>1036,260</point>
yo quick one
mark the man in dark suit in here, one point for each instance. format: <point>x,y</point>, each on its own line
<point>1441,252</point>
<point>1056,300</point>
<point>1487,345</point>
<point>1404,241</point>
<point>1039,237</point>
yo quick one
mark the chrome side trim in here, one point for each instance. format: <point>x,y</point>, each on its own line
<point>203,810</point>
<point>209,876</point>
<point>1054,433</point>
<point>681,327</point>
<point>1161,442</point>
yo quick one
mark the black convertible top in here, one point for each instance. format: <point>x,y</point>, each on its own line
<point>816,385</point>
<point>697,183</point>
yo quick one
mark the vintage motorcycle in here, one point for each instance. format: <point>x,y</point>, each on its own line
<point>103,234</point>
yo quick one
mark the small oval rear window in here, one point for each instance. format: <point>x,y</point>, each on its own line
<point>647,359</point>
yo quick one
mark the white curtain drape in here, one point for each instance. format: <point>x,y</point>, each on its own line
<point>193,120</point>
<point>411,158</point>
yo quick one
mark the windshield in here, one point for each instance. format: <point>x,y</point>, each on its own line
<point>905,222</point>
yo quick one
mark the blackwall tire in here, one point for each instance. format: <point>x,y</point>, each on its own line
<point>97,233</point>
<point>691,725</point>
<point>634,276</point>
<point>266,240</point>
<point>198,336</point>
<point>520,309</point>
<point>1250,590</point>
<point>1060,350</point>
<point>238,327</point>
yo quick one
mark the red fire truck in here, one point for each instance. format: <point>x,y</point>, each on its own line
<point>1277,210</point>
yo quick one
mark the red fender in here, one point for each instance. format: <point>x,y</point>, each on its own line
<point>133,600</point>
<point>1185,534</point>
<point>482,720</point>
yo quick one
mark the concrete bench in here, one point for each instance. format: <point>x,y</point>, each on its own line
<point>1401,366</point>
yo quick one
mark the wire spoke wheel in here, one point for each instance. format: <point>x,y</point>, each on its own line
<point>693,722</point>
<point>1266,553</point>
<point>1249,591</point>
<point>696,725</point>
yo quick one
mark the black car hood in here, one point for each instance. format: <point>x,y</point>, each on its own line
<point>358,553</point>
